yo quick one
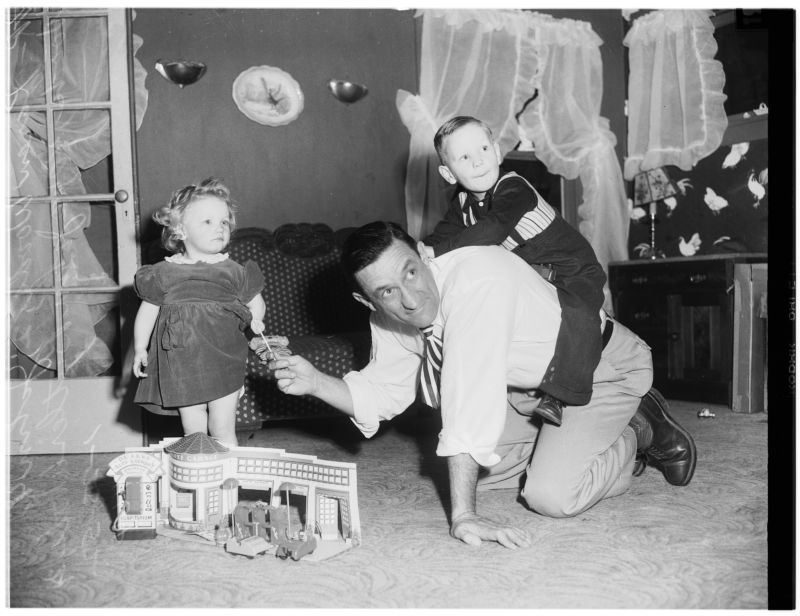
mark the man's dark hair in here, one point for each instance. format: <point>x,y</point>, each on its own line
<point>367,243</point>
<point>451,126</point>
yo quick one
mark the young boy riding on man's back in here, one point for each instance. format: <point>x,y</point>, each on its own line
<point>494,207</point>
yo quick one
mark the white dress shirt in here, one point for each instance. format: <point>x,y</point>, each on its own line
<point>500,321</point>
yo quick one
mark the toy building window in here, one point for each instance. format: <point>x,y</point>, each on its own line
<point>184,499</point>
<point>213,501</point>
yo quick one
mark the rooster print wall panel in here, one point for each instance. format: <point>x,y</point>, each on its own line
<point>722,205</point>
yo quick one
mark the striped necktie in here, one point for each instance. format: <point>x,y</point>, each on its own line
<point>431,374</point>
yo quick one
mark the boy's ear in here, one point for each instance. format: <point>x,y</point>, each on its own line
<point>497,151</point>
<point>444,171</point>
<point>363,300</point>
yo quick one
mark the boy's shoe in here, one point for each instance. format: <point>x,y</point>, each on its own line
<point>550,409</point>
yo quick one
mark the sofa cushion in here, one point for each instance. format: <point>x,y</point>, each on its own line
<point>306,289</point>
<point>309,301</point>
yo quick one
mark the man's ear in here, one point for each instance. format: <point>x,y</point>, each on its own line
<point>425,253</point>
<point>363,300</point>
<point>444,171</point>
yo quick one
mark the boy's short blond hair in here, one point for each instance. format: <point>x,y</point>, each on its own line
<point>451,126</point>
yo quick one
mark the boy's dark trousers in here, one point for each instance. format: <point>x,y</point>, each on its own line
<point>578,346</point>
<point>579,280</point>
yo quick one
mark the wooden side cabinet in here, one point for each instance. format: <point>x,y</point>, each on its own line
<point>692,312</point>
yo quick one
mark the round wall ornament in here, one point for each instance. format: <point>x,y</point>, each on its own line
<point>268,95</point>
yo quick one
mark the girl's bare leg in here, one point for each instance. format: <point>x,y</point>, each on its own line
<point>222,419</point>
<point>194,419</point>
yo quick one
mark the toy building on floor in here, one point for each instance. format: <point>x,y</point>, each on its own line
<point>195,485</point>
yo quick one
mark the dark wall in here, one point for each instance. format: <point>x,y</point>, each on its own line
<point>742,47</point>
<point>608,24</point>
<point>338,164</point>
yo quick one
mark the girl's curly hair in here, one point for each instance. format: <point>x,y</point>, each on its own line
<point>171,215</point>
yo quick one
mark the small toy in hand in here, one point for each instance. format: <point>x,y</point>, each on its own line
<point>269,348</point>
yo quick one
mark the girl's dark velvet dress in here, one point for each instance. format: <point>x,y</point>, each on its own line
<point>198,349</point>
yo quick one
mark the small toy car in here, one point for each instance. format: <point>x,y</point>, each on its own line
<point>249,546</point>
<point>296,548</point>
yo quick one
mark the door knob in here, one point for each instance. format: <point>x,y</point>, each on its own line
<point>121,196</point>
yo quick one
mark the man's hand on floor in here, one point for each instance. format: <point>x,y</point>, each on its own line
<point>473,529</point>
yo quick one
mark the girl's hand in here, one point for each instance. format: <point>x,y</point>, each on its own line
<point>257,326</point>
<point>140,363</point>
<point>295,375</point>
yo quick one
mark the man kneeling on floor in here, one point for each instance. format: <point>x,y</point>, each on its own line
<point>476,329</point>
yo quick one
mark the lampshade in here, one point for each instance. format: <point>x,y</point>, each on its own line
<point>652,185</point>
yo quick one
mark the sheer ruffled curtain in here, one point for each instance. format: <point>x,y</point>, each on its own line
<point>675,101</point>
<point>82,141</point>
<point>474,62</point>
<point>571,137</point>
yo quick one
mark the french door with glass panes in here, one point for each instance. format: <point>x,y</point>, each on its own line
<point>71,231</point>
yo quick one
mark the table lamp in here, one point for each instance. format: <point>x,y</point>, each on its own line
<point>650,187</point>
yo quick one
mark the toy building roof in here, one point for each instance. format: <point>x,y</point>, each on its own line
<point>197,443</point>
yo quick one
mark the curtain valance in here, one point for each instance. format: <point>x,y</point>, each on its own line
<point>675,100</point>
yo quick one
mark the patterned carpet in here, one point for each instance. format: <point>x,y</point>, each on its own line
<point>658,546</point>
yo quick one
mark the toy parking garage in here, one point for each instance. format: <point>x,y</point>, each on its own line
<point>252,500</point>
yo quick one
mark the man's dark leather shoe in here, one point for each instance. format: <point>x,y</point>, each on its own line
<point>550,409</point>
<point>663,443</point>
<point>639,465</point>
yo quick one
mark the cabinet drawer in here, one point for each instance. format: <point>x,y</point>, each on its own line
<point>706,276</point>
<point>640,310</point>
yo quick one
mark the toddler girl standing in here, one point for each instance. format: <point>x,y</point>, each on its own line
<point>196,305</point>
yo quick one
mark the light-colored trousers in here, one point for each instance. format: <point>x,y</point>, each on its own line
<point>591,455</point>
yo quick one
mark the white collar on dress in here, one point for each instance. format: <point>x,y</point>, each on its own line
<point>182,259</point>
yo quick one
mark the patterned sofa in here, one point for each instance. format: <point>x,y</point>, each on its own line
<point>308,301</point>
